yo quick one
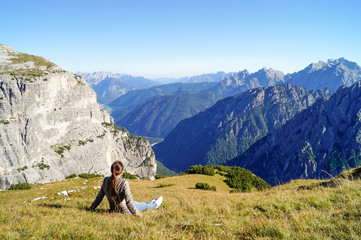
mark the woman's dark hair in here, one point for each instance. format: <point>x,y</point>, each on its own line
<point>116,169</point>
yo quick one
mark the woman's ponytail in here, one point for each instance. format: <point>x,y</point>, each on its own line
<point>116,169</point>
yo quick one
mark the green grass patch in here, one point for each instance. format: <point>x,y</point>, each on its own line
<point>90,175</point>
<point>205,186</point>
<point>281,212</point>
<point>42,165</point>
<point>352,174</point>
<point>20,186</point>
<point>162,185</point>
<point>129,176</point>
<point>82,143</point>
<point>71,176</point>
<point>59,149</point>
<point>5,122</point>
<point>238,178</point>
<point>22,168</point>
<point>160,176</point>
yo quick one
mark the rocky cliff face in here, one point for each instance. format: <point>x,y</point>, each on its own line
<point>233,124</point>
<point>51,126</point>
<point>319,142</point>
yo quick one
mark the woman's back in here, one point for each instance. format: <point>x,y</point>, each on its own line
<point>124,202</point>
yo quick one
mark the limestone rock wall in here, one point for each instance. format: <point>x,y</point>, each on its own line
<point>51,126</point>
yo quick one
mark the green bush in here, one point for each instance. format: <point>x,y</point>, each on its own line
<point>42,165</point>
<point>22,169</point>
<point>160,176</point>
<point>238,178</point>
<point>89,175</point>
<point>20,186</point>
<point>71,176</point>
<point>205,186</point>
<point>162,185</point>
<point>244,180</point>
<point>199,169</point>
<point>128,176</point>
<point>4,122</point>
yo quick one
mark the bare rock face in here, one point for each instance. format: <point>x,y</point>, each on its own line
<point>51,126</point>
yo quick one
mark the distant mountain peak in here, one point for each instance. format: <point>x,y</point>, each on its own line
<point>332,63</point>
<point>331,74</point>
<point>344,62</point>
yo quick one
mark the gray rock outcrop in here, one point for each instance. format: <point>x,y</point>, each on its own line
<point>51,126</point>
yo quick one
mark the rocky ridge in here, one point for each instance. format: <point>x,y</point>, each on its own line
<point>319,142</point>
<point>51,126</point>
<point>244,80</point>
<point>331,74</point>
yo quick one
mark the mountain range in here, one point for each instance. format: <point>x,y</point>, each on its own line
<point>332,74</point>
<point>109,86</point>
<point>208,77</point>
<point>232,125</point>
<point>129,101</point>
<point>279,139</point>
<point>320,141</point>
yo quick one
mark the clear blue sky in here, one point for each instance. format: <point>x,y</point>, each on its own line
<point>174,38</point>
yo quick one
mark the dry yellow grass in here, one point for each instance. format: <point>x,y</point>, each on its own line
<point>283,212</point>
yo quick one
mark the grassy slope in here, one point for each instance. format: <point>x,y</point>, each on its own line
<point>187,213</point>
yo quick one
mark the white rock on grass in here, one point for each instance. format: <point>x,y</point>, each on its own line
<point>36,199</point>
<point>65,193</point>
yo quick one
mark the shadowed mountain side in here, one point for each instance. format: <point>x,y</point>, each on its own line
<point>228,128</point>
<point>158,116</point>
<point>129,101</point>
<point>321,141</point>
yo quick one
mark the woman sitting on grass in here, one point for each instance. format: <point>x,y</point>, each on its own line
<point>119,196</point>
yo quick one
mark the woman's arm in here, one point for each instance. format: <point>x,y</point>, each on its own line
<point>98,199</point>
<point>129,201</point>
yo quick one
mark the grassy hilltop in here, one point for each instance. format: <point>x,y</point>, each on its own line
<point>302,209</point>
